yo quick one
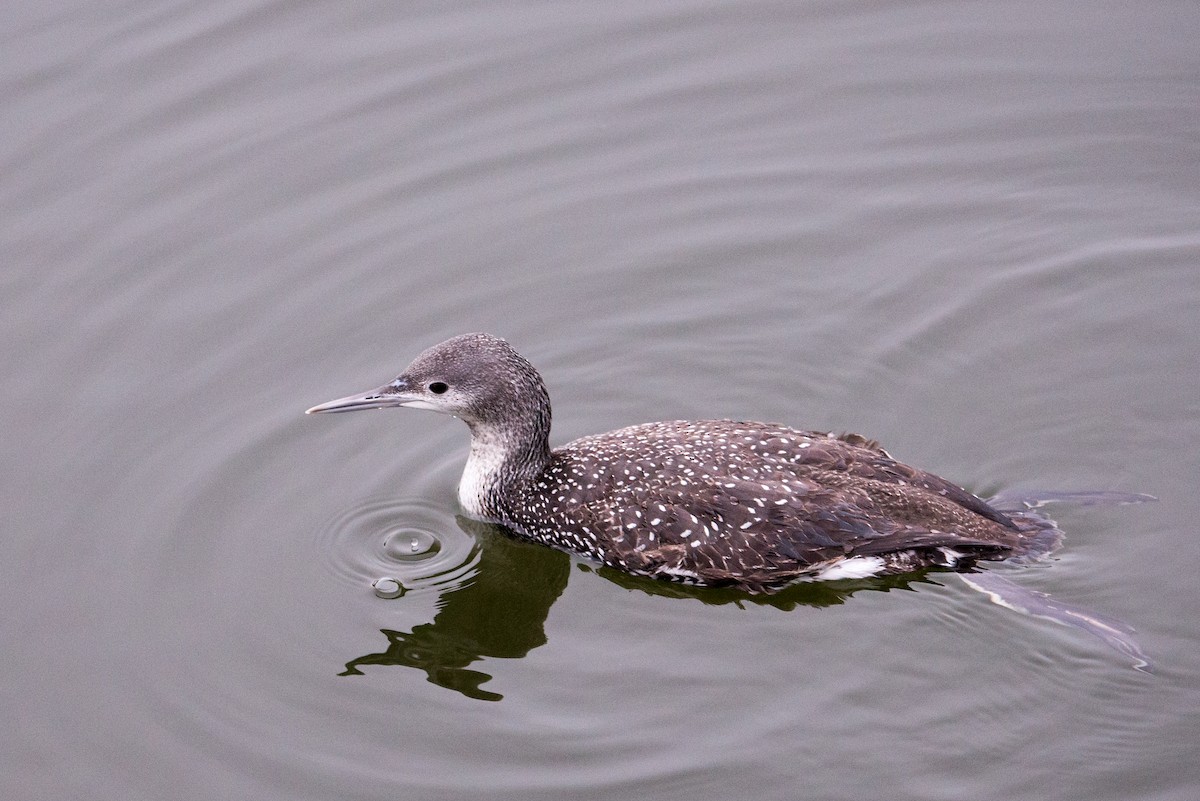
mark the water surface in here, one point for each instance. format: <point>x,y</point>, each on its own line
<point>967,230</point>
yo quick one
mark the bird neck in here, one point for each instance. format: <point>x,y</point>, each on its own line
<point>503,460</point>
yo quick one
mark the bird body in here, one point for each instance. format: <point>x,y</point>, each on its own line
<point>713,502</point>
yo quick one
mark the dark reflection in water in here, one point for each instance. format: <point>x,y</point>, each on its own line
<point>808,593</point>
<point>501,611</point>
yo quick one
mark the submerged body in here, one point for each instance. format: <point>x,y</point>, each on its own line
<point>716,502</point>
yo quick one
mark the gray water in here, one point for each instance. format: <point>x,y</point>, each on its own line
<point>970,230</point>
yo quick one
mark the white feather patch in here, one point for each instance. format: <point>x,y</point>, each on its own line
<point>853,568</point>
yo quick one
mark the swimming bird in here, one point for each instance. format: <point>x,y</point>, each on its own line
<point>757,506</point>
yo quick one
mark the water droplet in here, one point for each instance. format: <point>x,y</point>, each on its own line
<point>411,546</point>
<point>388,587</point>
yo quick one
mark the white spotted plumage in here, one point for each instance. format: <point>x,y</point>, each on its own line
<point>717,502</point>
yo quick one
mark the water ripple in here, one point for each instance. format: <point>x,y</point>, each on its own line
<point>397,546</point>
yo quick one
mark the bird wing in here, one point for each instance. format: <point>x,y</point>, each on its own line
<point>758,533</point>
<point>854,455</point>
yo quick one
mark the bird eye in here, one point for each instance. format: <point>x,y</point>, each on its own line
<point>438,388</point>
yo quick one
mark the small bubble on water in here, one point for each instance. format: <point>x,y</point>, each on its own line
<point>388,587</point>
<point>410,546</point>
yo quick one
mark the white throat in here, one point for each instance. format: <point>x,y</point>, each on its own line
<point>481,474</point>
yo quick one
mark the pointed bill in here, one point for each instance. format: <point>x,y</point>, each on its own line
<point>382,398</point>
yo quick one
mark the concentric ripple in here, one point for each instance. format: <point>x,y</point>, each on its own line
<point>397,546</point>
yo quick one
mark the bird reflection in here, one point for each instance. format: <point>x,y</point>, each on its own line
<point>501,611</point>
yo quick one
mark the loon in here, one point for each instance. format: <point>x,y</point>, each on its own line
<point>756,506</point>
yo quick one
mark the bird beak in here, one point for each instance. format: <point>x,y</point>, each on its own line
<point>381,398</point>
